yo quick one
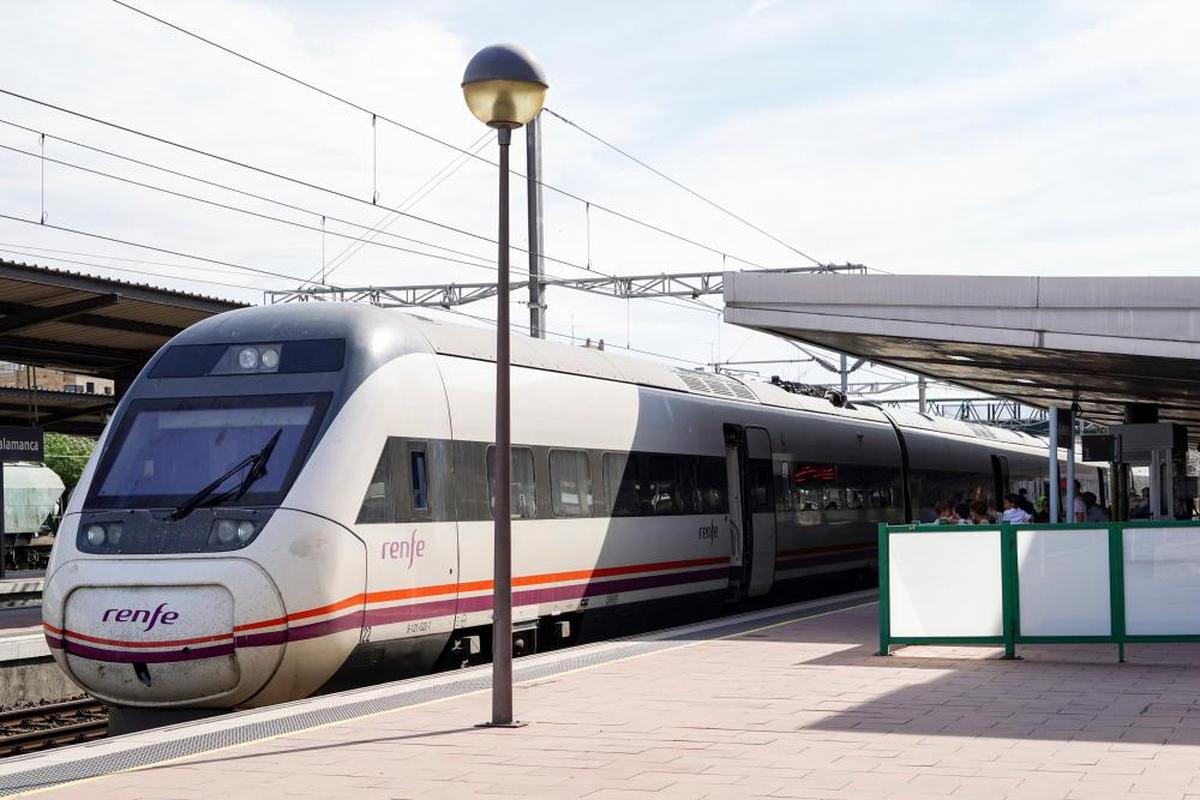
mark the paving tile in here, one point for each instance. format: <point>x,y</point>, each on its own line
<point>803,710</point>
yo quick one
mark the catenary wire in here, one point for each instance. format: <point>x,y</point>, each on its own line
<point>377,115</point>
<point>679,185</point>
<point>124,270</point>
<point>408,203</point>
<point>286,178</point>
<point>40,252</point>
<point>223,186</point>
<point>249,212</point>
<point>155,248</point>
<point>690,304</point>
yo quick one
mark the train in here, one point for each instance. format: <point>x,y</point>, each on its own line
<point>31,501</point>
<point>291,497</point>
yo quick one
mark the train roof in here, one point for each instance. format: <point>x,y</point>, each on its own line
<point>381,334</point>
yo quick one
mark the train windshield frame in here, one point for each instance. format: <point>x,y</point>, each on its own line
<point>165,449</point>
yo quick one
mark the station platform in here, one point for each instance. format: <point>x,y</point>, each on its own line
<point>786,702</point>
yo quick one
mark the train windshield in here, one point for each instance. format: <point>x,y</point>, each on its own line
<point>164,451</point>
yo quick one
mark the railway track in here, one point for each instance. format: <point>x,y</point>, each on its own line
<point>25,730</point>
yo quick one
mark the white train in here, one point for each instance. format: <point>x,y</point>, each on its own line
<point>291,495</point>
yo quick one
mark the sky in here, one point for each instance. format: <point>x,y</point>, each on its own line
<point>912,136</point>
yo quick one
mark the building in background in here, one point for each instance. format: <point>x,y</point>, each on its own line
<point>20,376</point>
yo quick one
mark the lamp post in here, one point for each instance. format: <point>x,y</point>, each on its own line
<point>504,87</point>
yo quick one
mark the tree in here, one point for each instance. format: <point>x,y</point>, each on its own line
<point>67,456</point>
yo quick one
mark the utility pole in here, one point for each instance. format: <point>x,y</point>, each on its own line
<point>533,183</point>
<point>845,373</point>
<point>922,402</point>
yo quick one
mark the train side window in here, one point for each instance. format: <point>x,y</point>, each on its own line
<point>379,503</point>
<point>712,485</point>
<point>689,494</point>
<point>662,496</point>
<point>524,483</point>
<point>570,483</point>
<point>621,484</point>
<point>419,480</point>
<point>759,470</point>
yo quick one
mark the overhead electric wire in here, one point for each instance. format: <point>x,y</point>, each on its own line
<point>414,197</point>
<point>572,338</point>
<point>279,176</point>
<point>679,185</point>
<point>157,249</point>
<point>55,253</point>
<point>124,270</point>
<point>249,212</point>
<point>383,117</point>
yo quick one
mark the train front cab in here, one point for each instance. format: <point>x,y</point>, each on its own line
<point>168,588</point>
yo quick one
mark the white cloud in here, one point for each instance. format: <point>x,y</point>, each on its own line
<point>919,136</point>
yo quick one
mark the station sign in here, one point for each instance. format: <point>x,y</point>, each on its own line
<point>21,443</point>
<point>1099,447</point>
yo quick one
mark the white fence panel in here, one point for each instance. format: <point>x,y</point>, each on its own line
<point>1162,581</point>
<point>945,584</point>
<point>1062,579</point>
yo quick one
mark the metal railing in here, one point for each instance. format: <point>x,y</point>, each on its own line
<point>1006,584</point>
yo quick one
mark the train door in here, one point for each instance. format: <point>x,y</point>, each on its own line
<point>736,518</point>
<point>751,508</point>
<point>1000,477</point>
<point>760,485</point>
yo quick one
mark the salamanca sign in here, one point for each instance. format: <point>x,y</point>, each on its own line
<point>20,443</point>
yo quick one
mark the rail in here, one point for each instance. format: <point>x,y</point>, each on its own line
<point>25,730</point>
<point>1005,584</point>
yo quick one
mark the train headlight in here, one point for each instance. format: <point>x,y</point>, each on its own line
<point>269,357</point>
<point>227,533</point>
<point>248,358</point>
<point>224,531</point>
<point>245,531</point>
<point>95,535</point>
<point>114,530</point>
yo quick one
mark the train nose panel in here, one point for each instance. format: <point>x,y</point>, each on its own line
<point>201,632</point>
<point>160,644</point>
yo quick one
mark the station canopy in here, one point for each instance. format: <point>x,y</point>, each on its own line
<point>83,324</point>
<point>1103,343</point>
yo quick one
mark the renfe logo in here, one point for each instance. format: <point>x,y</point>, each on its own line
<point>142,615</point>
<point>709,532</point>
<point>404,550</point>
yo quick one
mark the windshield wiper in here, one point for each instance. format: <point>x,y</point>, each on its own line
<point>257,464</point>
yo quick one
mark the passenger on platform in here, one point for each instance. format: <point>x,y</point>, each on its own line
<point>1139,507</point>
<point>979,513</point>
<point>1078,506</point>
<point>1024,504</point>
<point>1013,512</point>
<point>963,512</point>
<point>1095,511</point>
<point>945,513</point>
<point>1042,513</point>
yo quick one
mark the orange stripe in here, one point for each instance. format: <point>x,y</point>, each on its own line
<point>422,591</point>
<point>605,572</point>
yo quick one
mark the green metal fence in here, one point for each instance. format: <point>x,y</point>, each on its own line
<point>1180,562</point>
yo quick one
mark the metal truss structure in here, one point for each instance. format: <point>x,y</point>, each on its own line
<point>683,284</point>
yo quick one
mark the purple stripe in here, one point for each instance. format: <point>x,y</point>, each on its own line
<point>326,627</point>
<point>432,608</point>
<point>383,616</point>
<point>261,639</point>
<point>150,657</point>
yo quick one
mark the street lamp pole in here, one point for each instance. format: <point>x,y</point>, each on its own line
<point>504,88</point>
<point>502,705</point>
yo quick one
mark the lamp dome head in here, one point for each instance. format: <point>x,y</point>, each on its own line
<point>504,86</point>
